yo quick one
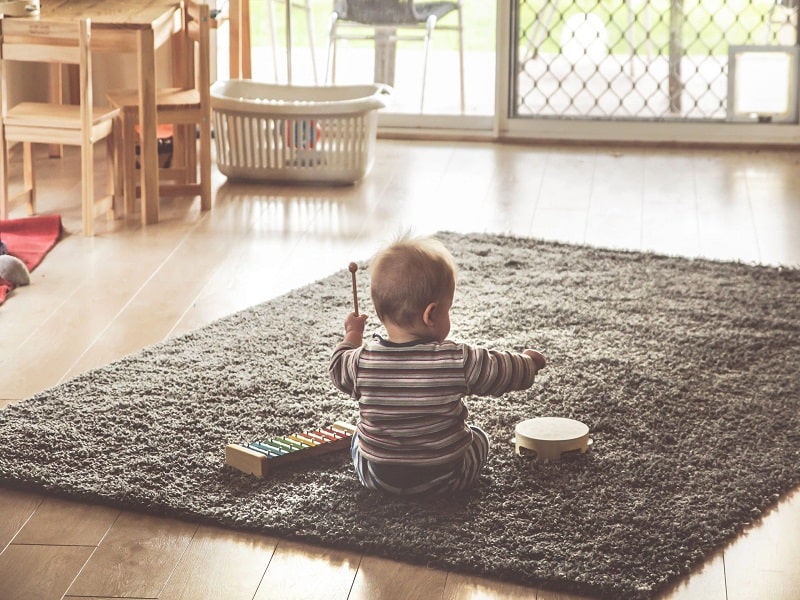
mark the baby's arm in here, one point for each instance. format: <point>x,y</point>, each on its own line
<point>354,329</point>
<point>538,358</point>
<point>495,372</point>
<point>345,355</point>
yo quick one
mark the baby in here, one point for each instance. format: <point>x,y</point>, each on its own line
<point>412,437</point>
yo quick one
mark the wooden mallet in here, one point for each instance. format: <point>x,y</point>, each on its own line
<point>353,268</point>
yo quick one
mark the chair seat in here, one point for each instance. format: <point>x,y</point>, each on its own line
<point>438,9</point>
<point>83,124</point>
<point>393,21</point>
<point>58,116</point>
<point>165,98</point>
<point>43,123</point>
<point>397,13</point>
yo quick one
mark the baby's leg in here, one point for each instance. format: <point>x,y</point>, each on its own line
<point>475,458</point>
<point>453,480</point>
<point>370,480</point>
<point>365,476</point>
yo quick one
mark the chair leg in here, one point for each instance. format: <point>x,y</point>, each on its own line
<point>87,188</point>
<point>461,59</point>
<point>184,152</point>
<point>768,23</point>
<point>4,199</point>
<point>430,24</point>
<point>29,180</point>
<point>330,64</point>
<point>630,35</point>
<point>205,165</point>
<point>112,187</point>
<point>130,176</point>
<point>310,26</point>
<point>544,18</point>
<point>29,176</point>
<point>273,36</point>
<point>118,150</point>
<point>56,85</point>
<point>190,139</point>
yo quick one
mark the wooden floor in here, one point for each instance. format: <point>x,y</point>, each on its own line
<point>94,300</point>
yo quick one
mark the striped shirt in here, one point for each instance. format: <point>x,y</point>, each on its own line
<point>411,395</point>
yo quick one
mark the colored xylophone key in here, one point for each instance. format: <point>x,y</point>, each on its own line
<point>260,457</point>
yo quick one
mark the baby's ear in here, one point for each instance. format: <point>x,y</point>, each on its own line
<point>429,314</point>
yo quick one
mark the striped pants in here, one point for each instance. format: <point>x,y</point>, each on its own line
<point>459,478</point>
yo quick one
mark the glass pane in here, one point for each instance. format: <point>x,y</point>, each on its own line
<point>356,59</point>
<point>637,59</point>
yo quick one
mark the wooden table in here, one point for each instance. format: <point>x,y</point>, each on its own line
<point>139,27</point>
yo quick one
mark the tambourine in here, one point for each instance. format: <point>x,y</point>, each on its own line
<point>548,438</point>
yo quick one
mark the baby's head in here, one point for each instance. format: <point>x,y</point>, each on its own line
<point>408,276</point>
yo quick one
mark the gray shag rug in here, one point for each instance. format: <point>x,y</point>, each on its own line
<point>685,371</point>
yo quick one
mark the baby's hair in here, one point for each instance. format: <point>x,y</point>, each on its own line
<point>408,275</point>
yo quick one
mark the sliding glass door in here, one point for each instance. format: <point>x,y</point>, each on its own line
<point>646,70</point>
<point>658,70</point>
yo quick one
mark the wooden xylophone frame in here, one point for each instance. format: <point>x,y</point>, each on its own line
<point>260,458</point>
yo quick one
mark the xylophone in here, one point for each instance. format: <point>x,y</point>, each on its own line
<point>259,458</point>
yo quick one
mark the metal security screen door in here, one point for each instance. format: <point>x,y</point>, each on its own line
<point>666,65</point>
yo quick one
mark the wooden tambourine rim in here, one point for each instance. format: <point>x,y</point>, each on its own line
<point>550,437</point>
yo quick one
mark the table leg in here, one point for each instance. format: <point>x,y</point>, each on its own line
<point>147,122</point>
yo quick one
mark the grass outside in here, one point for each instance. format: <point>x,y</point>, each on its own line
<point>709,26</point>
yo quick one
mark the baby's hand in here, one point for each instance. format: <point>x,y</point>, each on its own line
<point>355,323</point>
<point>538,358</point>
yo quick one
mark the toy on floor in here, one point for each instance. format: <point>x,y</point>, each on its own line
<point>260,458</point>
<point>14,270</point>
<point>551,437</point>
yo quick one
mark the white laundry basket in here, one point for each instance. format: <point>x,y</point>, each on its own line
<point>310,134</point>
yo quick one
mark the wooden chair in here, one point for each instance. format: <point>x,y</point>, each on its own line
<point>187,108</point>
<point>392,21</point>
<point>782,14</point>
<point>50,122</point>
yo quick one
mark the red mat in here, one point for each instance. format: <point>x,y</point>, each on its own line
<point>28,239</point>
